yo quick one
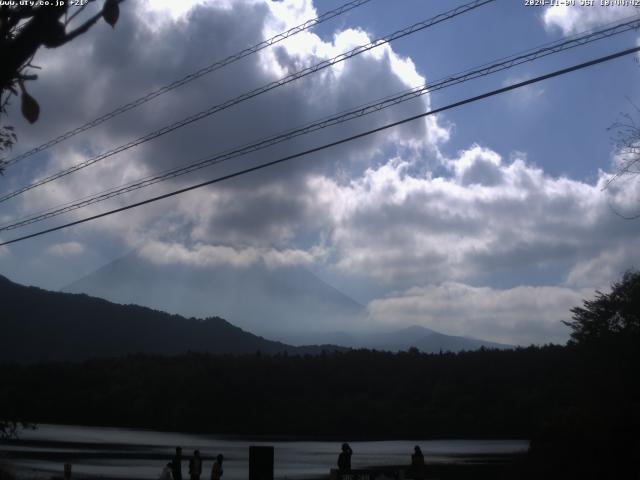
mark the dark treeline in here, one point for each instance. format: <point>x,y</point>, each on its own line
<point>487,393</point>
<point>579,406</point>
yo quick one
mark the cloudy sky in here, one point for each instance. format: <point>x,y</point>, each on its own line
<point>490,220</point>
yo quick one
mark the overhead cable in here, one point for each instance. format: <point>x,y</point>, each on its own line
<point>246,96</point>
<point>245,171</point>
<point>189,78</point>
<point>467,75</point>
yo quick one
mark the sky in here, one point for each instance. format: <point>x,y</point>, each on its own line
<point>490,220</point>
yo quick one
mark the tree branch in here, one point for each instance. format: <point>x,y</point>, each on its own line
<point>82,28</point>
<point>78,11</point>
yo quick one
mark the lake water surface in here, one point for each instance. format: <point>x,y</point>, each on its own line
<point>128,453</point>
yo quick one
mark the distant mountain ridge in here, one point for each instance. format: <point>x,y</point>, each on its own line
<point>422,338</point>
<point>257,298</point>
<point>428,341</point>
<point>289,304</point>
<point>40,325</point>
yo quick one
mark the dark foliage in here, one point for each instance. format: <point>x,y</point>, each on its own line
<point>581,411</point>
<point>488,393</point>
<point>598,436</point>
<point>611,318</point>
<point>6,473</point>
<point>9,428</point>
<point>25,27</point>
<point>626,140</point>
<point>7,132</point>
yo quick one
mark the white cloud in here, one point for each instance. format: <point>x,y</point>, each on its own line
<point>287,14</point>
<point>66,249</point>
<point>487,217</point>
<point>575,18</point>
<point>171,8</point>
<point>202,256</point>
<point>523,97</point>
<point>606,266</point>
<point>478,166</point>
<point>520,315</point>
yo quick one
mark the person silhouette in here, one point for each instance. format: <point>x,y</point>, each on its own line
<point>417,463</point>
<point>195,465</point>
<point>344,459</point>
<point>176,464</point>
<point>216,469</point>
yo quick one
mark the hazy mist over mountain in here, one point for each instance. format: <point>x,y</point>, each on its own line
<point>288,304</point>
<point>266,301</point>
<point>395,340</point>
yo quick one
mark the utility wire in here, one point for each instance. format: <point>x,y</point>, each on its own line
<point>246,96</point>
<point>333,144</point>
<point>467,75</point>
<point>190,77</point>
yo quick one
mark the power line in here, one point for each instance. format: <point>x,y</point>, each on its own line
<point>246,96</point>
<point>335,143</point>
<point>372,107</point>
<point>192,76</point>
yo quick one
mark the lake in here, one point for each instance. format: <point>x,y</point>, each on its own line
<point>141,454</point>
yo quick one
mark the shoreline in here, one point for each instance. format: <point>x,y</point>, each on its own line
<point>486,467</point>
<point>476,466</point>
<point>111,454</point>
<point>275,437</point>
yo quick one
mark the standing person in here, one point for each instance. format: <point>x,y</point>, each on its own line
<point>216,469</point>
<point>176,464</point>
<point>344,459</point>
<point>195,466</point>
<point>417,463</point>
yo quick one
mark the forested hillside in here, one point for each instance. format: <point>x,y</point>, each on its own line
<point>38,325</point>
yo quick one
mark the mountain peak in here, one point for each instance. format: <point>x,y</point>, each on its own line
<point>287,299</point>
